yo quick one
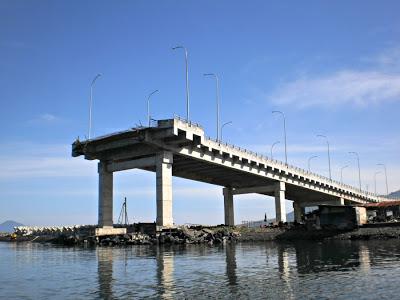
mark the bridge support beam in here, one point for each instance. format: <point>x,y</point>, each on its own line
<point>280,208</point>
<point>228,207</point>
<point>298,211</point>
<point>105,196</point>
<point>164,162</point>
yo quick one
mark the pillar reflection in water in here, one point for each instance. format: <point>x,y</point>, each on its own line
<point>284,266</point>
<point>165,273</point>
<point>105,272</point>
<point>364,258</point>
<point>231,265</point>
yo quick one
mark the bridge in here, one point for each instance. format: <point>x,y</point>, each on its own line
<point>175,147</point>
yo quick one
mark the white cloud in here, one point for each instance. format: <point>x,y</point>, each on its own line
<point>44,118</point>
<point>29,160</point>
<point>380,82</point>
<point>343,87</point>
<point>48,117</point>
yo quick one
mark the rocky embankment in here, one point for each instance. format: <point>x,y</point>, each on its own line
<point>211,236</point>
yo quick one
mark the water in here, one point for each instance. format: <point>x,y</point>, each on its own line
<point>306,270</point>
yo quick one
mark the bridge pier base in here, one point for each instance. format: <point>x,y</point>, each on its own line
<point>228,207</point>
<point>105,196</point>
<point>280,208</point>
<point>164,189</point>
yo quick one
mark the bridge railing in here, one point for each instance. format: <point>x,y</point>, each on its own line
<point>281,164</point>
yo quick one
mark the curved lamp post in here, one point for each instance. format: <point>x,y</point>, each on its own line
<point>359,171</point>
<point>217,100</point>
<point>329,154</point>
<point>376,173</point>
<point>148,106</point>
<point>187,80</point>
<point>227,123</point>
<point>341,173</point>
<point>284,131</point>
<point>384,167</point>
<point>91,104</point>
<point>272,147</point>
<point>309,162</point>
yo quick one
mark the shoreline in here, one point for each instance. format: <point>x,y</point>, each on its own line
<point>213,236</point>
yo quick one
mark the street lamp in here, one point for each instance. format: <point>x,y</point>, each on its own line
<point>284,131</point>
<point>384,167</point>
<point>217,99</point>
<point>273,145</point>
<point>148,106</point>
<point>187,80</point>
<point>376,173</point>
<point>329,155</point>
<point>91,104</point>
<point>309,161</point>
<point>359,171</point>
<point>227,123</point>
<point>341,173</point>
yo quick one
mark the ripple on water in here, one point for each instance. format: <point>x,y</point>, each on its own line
<point>331,270</point>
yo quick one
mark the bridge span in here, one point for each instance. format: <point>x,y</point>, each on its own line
<point>175,147</point>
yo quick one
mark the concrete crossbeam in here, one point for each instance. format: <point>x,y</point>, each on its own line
<point>132,164</point>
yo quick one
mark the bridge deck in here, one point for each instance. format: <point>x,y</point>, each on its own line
<point>202,159</point>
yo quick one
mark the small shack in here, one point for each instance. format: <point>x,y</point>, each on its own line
<point>383,211</point>
<point>338,216</point>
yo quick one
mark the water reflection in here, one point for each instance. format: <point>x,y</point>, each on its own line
<point>271,270</point>
<point>165,273</point>
<point>230,252</point>
<point>105,258</point>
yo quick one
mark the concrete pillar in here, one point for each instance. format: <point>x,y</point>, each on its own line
<point>164,162</point>
<point>341,201</point>
<point>298,211</point>
<point>228,207</point>
<point>280,208</point>
<point>105,196</point>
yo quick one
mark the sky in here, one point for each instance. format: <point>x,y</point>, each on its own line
<point>333,68</point>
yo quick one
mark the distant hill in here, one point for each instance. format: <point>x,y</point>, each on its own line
<point>395,195</point>
<point>8,226</point>
<point>289,218</point>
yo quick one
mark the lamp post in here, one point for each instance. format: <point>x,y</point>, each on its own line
<point>148,106</point>
<point>359,171</point>
<point>187,81</point>
<point>284,131</point>
<point>217,100</point>
<point>272,147</point>
<point>387,188</point>
<point>329,154</point>
<point>309,162</point>
<point>376,173</point>
<point>91,104</point>
<point>341,173</point>
<point>227,123</point>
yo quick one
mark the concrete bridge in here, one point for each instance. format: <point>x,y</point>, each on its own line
<point>178,148</point>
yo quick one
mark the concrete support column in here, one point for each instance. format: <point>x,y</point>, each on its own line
<point>341,201</point>
<point>298,211</point>
<point>280,208</point>
<point>228,207</point>
<point>105,196</point>
<point>164,162</point>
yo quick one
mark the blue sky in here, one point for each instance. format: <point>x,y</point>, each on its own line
<point>332,67</point>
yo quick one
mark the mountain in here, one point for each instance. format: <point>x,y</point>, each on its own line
<point>395,195</point>
<point>8,226</point>
<point>289,218</point>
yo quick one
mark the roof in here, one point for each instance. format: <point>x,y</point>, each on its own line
<point>384,203</point>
